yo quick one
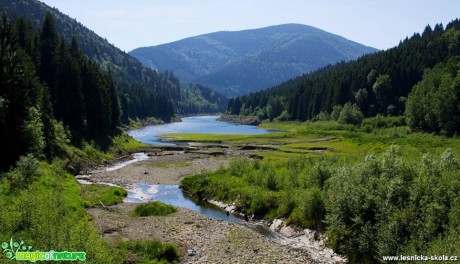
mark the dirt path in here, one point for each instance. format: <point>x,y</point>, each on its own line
<point>200,238</point>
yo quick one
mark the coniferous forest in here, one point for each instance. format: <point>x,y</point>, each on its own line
<point>142,92</point>
<point>379,83</point>
<point>50,89</point>
<point>363,156</point>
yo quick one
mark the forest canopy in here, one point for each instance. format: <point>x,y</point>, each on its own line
<point>378,83</point>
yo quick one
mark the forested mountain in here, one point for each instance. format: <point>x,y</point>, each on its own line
<point>140,88</point>
<point>236,63</point>
<point>376,84</point>
<point>50,93</point>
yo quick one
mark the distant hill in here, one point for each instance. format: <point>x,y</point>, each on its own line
<point>136,83</point>
<point>240,62</point>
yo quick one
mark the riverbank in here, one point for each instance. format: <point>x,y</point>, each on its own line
<point>200,238</point>
<point>243,120</point>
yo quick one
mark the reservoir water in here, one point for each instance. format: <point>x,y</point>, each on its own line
<point>196,124</point>
<point>171,194</point>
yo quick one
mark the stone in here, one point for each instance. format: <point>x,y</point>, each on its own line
<point>276,225</point>
<point>287,231</point>
<point>190,252</point>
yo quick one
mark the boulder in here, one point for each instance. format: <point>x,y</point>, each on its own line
<point>276,225</point>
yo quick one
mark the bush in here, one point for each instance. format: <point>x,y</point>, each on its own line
<point>380,121</point>
<point>310,209</point>
<point>153,208</point>
<point>350,114</point>
<point>25,173</point>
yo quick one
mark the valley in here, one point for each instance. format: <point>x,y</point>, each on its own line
<point>265,141</point>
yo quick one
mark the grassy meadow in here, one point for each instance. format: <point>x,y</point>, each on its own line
<point>376,189</point>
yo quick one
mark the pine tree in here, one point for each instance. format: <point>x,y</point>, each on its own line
<point>48,46</point>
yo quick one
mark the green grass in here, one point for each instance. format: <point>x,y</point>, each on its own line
<point>98,194</point>
<point>371,197</point>
<point>150,251</point>
<point>48,214</point>
<point>153,209</point>
<point>297,138</point>
<point>127,143</point>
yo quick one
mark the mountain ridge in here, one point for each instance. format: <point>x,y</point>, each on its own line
<point>279,51</point>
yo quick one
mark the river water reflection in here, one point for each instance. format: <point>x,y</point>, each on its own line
<point>196,124</point>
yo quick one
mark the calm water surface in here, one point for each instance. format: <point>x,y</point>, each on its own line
<point>171,194</point>
<point>197,124</point>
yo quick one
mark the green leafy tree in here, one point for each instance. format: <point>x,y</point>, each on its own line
<point>33,128</point>
<point>336,110</point>
<point>383,90</point>
<point>350,114</point>
<point>361,97</point>
<point>433,105</point>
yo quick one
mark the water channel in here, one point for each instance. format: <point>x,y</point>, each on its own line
<point>171,194</point>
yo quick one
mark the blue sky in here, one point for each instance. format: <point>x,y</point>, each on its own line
<point>137,23</point>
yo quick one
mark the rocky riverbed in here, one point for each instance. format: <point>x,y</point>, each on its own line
<point>201,239</point>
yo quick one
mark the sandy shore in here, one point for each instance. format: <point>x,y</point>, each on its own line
<point>201,239</point>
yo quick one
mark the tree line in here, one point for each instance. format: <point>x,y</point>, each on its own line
<point>378,83</point>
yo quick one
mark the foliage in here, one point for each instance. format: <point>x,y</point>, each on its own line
<point>380,121</point>
<point>378,83</point>
<point>153,208</point>
<point>350,114</point>
<point>143,92</point>
<point>42,81</point>
<point>24,173</point>
<point>150,251</point>
<point>390,205</point>
<point>48,214</point>
<point>386,204</point>
<point>434,103</point>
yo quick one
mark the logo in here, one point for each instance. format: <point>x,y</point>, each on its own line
<point>22,252</point>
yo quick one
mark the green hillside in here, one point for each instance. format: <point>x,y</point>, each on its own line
<point>240,62</point>
<point>139,87</point>
<point>379,83</point>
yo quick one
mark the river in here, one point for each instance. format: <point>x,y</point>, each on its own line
<point>146,183</point>
<point>197,124</point>
<point>171,194</point>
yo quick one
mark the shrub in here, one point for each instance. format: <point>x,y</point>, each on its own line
<point>153,208</point>
<point>25,173</point>
<point>310,210</point>
<point>350,114</point>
